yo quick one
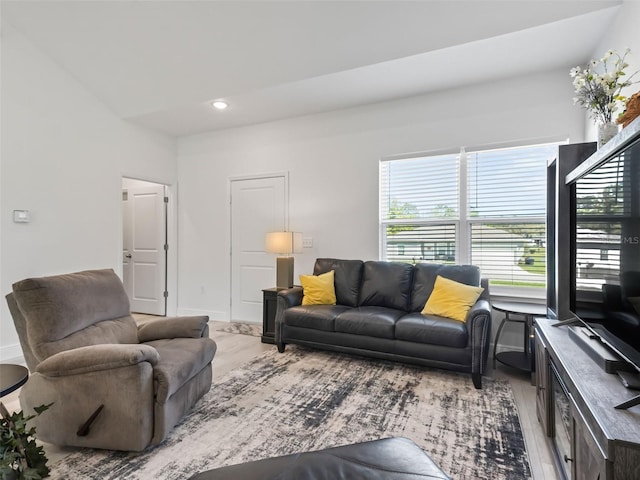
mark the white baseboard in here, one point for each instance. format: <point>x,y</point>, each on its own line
<point>11,354</point>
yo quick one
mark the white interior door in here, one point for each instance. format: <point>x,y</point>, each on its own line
<point>258,206</point>
<point>144,253</point>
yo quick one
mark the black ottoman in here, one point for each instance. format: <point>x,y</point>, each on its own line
<point>388,459</point>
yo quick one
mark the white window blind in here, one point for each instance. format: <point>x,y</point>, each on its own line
<point>487,208</point>
<point>424,188</point>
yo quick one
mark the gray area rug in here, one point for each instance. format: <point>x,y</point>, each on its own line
<point>307,400</point>
<point>252,329</point>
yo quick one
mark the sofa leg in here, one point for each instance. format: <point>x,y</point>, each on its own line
<point>281,347</point>
<point>477,380</point>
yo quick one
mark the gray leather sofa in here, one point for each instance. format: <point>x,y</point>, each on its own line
<point>377,314</point>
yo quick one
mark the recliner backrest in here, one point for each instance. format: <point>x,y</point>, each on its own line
<point>68,311</point>
<point>21,327</point>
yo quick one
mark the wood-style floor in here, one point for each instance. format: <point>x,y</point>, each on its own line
<point>234,350</point>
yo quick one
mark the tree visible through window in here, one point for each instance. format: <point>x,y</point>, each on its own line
<point>486,208</point>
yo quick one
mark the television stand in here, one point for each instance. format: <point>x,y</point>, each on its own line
<point>605,439</point>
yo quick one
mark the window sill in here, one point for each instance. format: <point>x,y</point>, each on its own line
<point>528,294</point>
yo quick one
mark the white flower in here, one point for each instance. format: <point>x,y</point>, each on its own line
<point>597,86</point>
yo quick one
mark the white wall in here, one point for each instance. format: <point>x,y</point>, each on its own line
<point>63,158</point>
<point>333,162</point>
<point>623,33</point>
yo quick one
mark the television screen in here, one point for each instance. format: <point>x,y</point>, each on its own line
<point>607,246</point>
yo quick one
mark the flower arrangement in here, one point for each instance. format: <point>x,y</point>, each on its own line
<point>599,92</point>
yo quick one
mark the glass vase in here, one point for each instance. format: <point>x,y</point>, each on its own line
<point>606,131</point>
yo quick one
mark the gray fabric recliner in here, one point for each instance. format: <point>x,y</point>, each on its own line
<point>84,350</point>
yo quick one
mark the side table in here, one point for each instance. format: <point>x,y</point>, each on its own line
<point>524,360</point>
<point>12,377</point>
<point>269,305</point>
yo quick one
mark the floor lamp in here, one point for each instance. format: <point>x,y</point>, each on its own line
<point>284,244</point>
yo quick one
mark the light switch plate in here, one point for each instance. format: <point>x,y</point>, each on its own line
<point>307,242</point>
<point>21,216</point>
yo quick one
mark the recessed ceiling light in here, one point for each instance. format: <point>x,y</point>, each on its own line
<point>219,104</point>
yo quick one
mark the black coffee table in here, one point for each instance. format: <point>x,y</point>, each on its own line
<point>12,377</point>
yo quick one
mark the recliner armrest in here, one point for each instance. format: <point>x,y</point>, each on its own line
<point>174,327</point>
<point>95,358</point>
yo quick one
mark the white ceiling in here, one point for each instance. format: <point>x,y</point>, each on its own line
<point>158,63</point>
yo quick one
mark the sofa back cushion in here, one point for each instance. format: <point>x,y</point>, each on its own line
<point>386,284</point>
<point>347,276</point>
<point>424,278</point>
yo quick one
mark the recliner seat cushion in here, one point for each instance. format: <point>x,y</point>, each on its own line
<point>386,284</point>
<point>432,329</point>
<point>180,360</point>
<point>369,321</point>
<point>317,317</point>
<point>424,278</point>
<point>347,276</point>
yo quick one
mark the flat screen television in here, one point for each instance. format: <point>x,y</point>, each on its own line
<point>605,245</point>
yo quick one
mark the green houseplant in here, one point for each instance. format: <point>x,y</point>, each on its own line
<point>20,457</point>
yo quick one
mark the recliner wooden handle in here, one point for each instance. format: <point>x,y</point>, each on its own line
<point>83,431</point>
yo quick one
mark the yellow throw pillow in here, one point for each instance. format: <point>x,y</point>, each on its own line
<point>318,289</point>
<point>451,299</point>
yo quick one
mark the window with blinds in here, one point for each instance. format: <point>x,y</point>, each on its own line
<point>486,208</point>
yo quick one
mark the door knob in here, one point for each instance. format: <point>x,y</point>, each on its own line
<point>128,255</point>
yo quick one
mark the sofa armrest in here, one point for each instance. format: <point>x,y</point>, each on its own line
<point>288,298</point>
<point>479,327</point>
<point>96,358</point>
<point>291,296</point>
<point>174,327</point>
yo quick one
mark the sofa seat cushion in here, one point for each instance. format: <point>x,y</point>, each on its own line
<point>432,329</point>
<point>369,321</point>
<point>181,359</point>
<point>317,317</point>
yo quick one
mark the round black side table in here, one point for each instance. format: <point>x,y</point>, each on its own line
<point>521,360</point>
<point>12,377</point>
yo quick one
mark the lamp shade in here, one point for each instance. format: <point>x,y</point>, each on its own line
<point>283,243</point>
